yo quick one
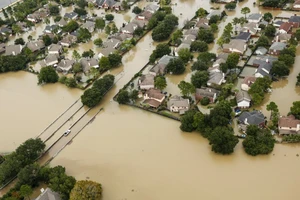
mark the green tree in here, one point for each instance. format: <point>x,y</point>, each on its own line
<point>91,97</point>
<point>160,82</point>
<point>77,67</point>
<point>109,17</point>
<point>80,11</point>
<point>199,46</point>
<point>138,31</point>
<point>185,55</point>
<point>125,5</point>
<point>258,88</point>
<point>268,16</point>
<point>187,121</point>
<point>214,28</point>
<point>71,26</point>
<point>134,95</point>
<point>272,107</point>
<point>123,97</point>
<point>175,66</point>
<point>47,75</point>
<point>258,141</point>
<point>206,35</point>
<point>71,82</point>
<point>214,19</point>
<point>29,175</point>
<point>245,11</point>
<point>222,140</point>
<point>223,67</point>
<point>160,50</point>
<point>205,101</point>
<point>47,40</point>
<point>201,13</point>
<point>270,30</point>
<point>221,114</point>
<point>186,88</point>
<point>81,3</point>
<point>83,35</point>
<point>98,42</point>
<point>16,29</point>
<point>76,56</point>
<point>297,34</point>
<point>26,191</point>
<point>136,10</point>
<point>232,60</point>
<point>207,57</point>
<point>230,6</point>
<point>104,63</point>
<point>88,54</point>
<point>115,59</point>
<point>176,36</point>
<point>152,23</point>
<point>114,28</point>
<point>295,109</point>
<point>54,10</point>
<point>199,79</point>
<point>280,69</point>
<point>263,41</point>
<point>199,65</point>
<point>99,23</point>
<point>107,30</point>
<point>86,190</point>
<point>288,59</point>
<point>20,41</point>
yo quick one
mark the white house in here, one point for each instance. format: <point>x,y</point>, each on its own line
<point>243,99</point>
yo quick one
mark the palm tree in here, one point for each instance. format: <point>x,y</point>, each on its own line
<point>245,11</point>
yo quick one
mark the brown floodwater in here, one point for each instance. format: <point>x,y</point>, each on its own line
<point>138,155</point>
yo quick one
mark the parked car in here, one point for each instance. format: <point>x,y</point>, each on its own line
<point>67,132</point>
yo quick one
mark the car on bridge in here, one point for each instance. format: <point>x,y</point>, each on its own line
<point>67,132</point>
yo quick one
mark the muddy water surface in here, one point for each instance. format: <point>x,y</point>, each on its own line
<point>138,155</point>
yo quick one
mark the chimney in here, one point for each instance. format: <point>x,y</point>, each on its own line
<point>277,38</point>
<point>267,60</point>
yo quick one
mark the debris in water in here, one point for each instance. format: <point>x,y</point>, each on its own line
<point>87,177</point>
<point>132,190</point>
<point>297,155</point>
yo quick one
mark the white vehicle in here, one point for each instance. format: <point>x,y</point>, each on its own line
<point>67,132</point>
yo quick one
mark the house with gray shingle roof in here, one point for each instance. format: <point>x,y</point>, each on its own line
<point>89,25</point>
<point>146,82</point>
<point>276,48</point>
<point>243,99</point>
<point>129,28</point>
<point>5,30</point>
<point>252,118</point>
<point>178,104</point>
<point>48,194</point>
<point>54,49</point>
<point>62,22</point>
<point>88,63</point>
<point>182,46</point>
<point>65,66</point>
<point>160,67</point>
<point>255,17</point>
<point>13,50</point>
<point>71,16</point>
<point>152,8</point>
<point>244,36</point>
<point>36,45</point>
<point>51,59</point>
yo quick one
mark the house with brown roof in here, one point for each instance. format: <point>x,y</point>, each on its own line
<point>145,15</point>
<point>178,104</point>
<point>288,125</point>
<point>55,49</point>
<point>247,82</point>
<point>285,27</point>
<point>243,99</point>
<point>68,40</point>
<point>153,97</point>
<point>206,92</point>
<point>282,37</point>
<point>146,82</point>
<point>276,48</point>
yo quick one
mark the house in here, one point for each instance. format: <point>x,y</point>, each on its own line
<point>68,40</point>
<point>181,46</point>
<point>247,82</point>
<point>261,51</point>
<point>152,8</point>
<point>105,52</point>
<point>51,28</point>
<point>88,63</point>
<point>263,59</point>
<point>145,15</point>
<point>288,125</point>
<point>36,45</point>
<point>210,93</point>
<point>5,31</point>
<point>129,28</point>
<point>282,37</point>
<point>153,97</point>
<point>277,23</point>
<point>48,194</point>
<point>160,67</point>
<point>255,17</point>
<point>118,6</point>
<point>220,59</point>
<point>202,23</point>
<point>235,46</point>
<point>263,70</point>
<point>146,82</point>
<point>33,18</point>
<point>108,4</point>
<point>296,5</point>
<point>252,118</point>
<point>216,78</point>
<point>99,3</point>
<point>191,31</point>
<point>188,39</point>
<point>113,43</point>
<point>23,26</point>
<point>51,35</point>
<point>214,12</point>
<point>89,25</point>
<point>121,36</point>
<point>51,59</point>
<point>285,27</point>
<point>2,47</point>
<point>140,23</point>
<point>251,27</point>
<point>243,99</point>
<point>71,16</point>
<point>295,20</point>
<point>65,66</point>
<point>276,48</point>
<point>244,36</point>
<point>13,50</point>
<point>62,22</point>
<point>178,104</point>
<point>54,49</point>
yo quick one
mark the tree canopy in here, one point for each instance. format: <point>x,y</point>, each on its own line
<point>295,109</point>
<point>160,50</point>
<point>47,75</point>
<point>186,88</point>
<point>185,54</point>
<point>160,82</point>
<point>222,140</point>
<point>200,79</point>
<point>86,190</point>
<point>176,66</point>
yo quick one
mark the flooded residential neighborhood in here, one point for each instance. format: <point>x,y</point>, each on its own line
<point>136,154</point>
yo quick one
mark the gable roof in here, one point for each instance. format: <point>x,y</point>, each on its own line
<point>207,92</point>
<point>54,47</point>
<point>36,45</point>
<point>70,15</point>
<point>286,26</point>
<point>254,16</point>
<point>87,63</point>
<point>249,80</point>
<point>62,22</point>
<point>294,19</point>
<point>88,24</point>
<point>13,50</point>
<point>243,36</point>
<point>178,101</point>
<point>289,121</point>
<point>242,96</point>
<point>215,77</point>
<point>147,79</point>
<point>165,59</point>
<point>278,46</point>
<point>155,94</point>
<point>235,44</point>
<point>48,194</point>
